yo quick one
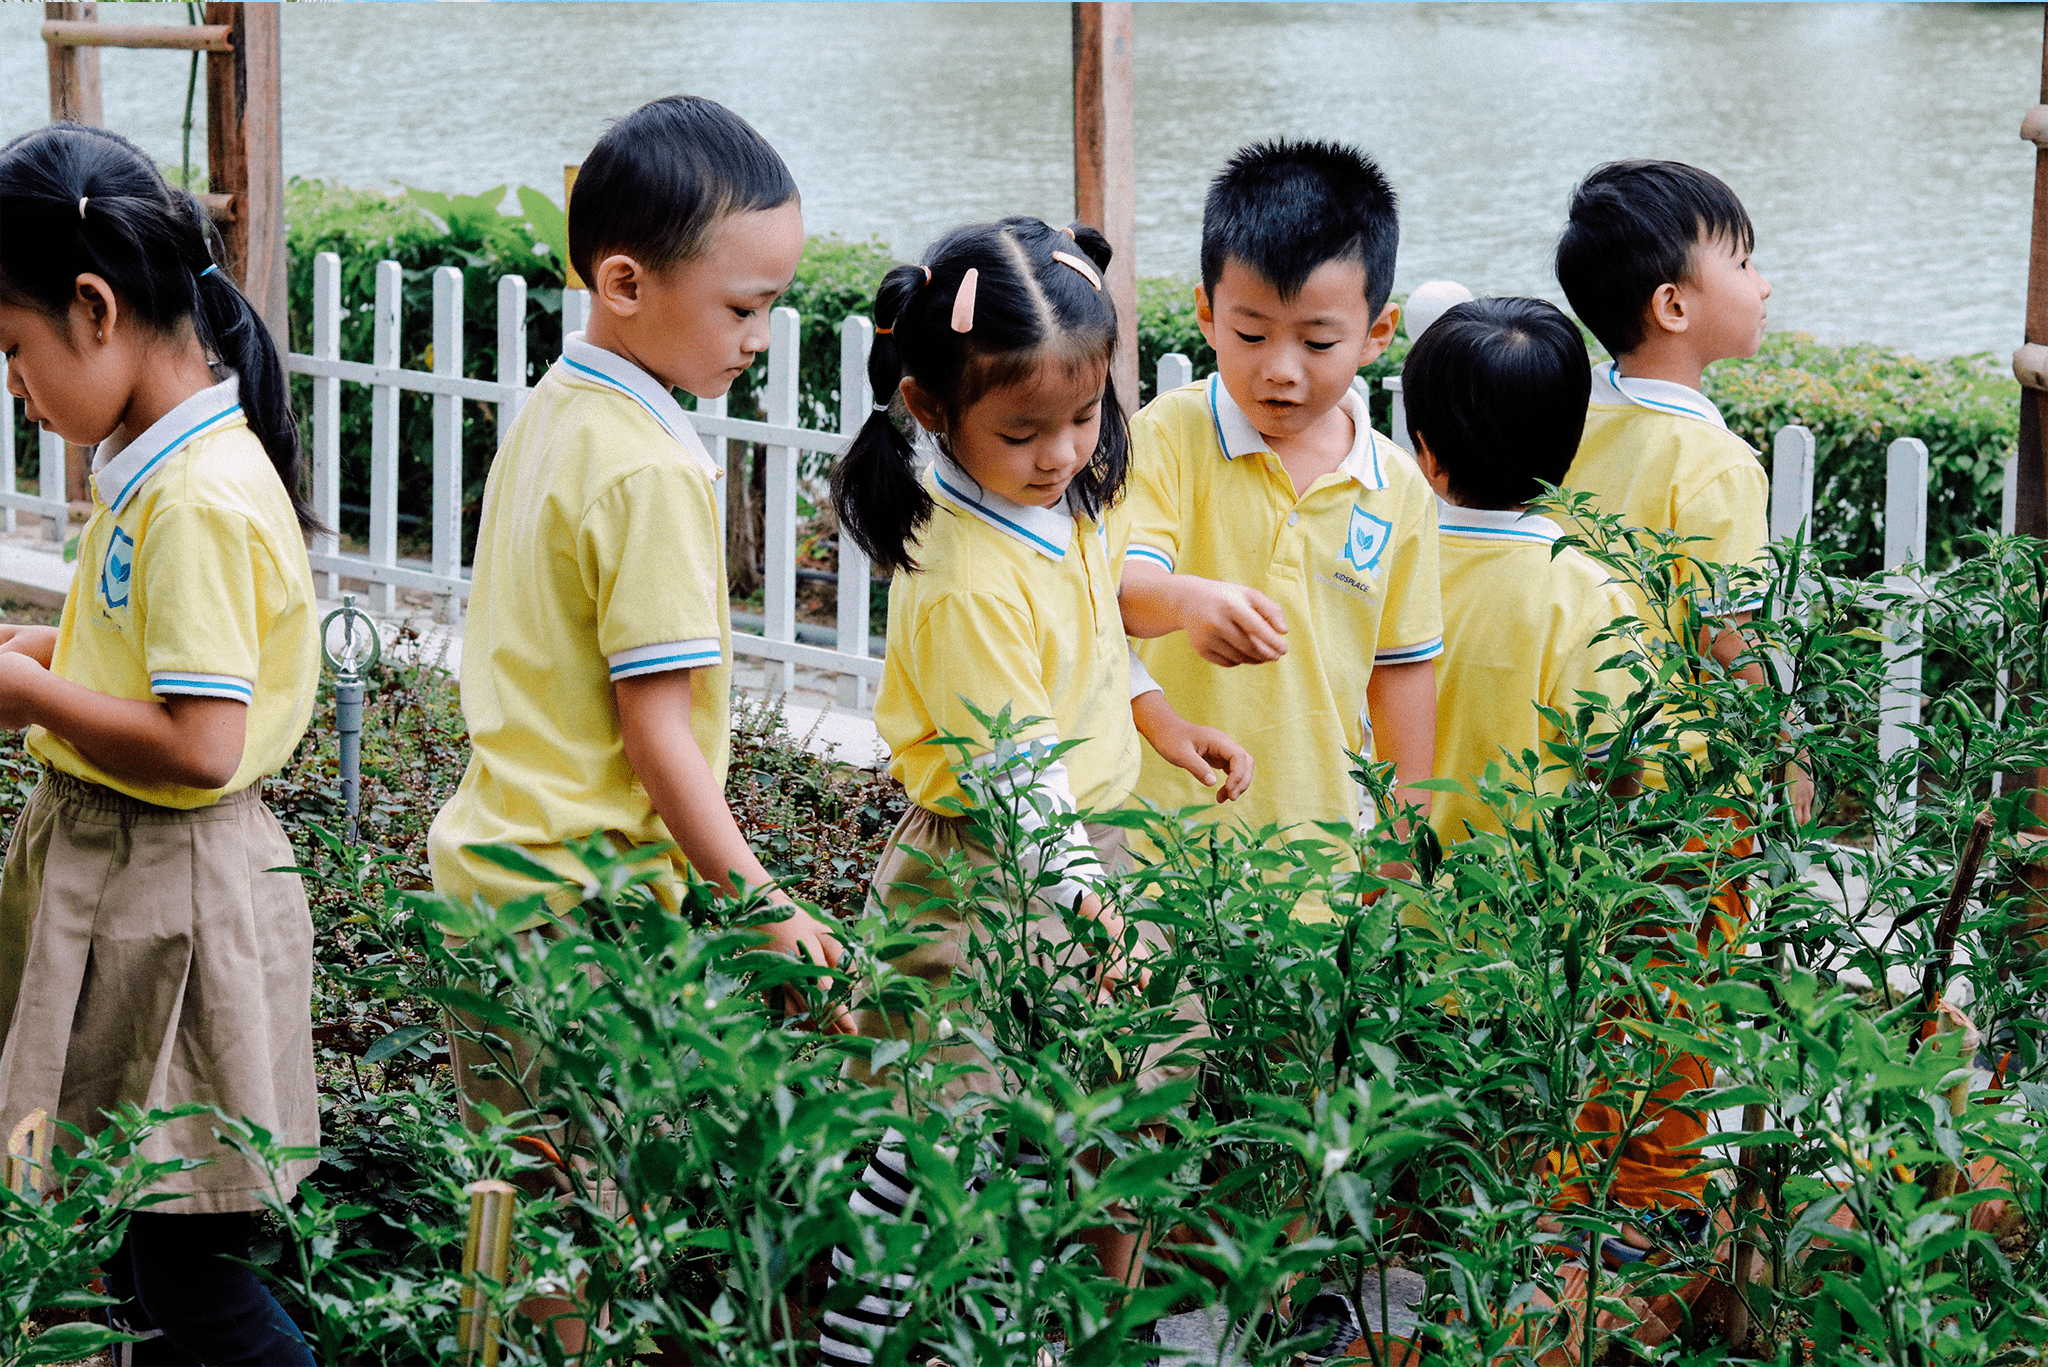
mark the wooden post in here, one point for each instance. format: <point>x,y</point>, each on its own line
<point>2030,502</point>
<point>245,153</point>
<point>1106,163</point>
<point>74,71</point>
<point>74,95</point>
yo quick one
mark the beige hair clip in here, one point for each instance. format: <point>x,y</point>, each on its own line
<point>963,302</point>
<point>1086,268</point>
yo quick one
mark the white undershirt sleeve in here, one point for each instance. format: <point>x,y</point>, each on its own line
<point>1036,796</point>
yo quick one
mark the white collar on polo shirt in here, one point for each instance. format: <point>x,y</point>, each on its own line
<point>615,372</point>
<point>1236,435</point>
<point>1496,524</point>
<point>119,472</point>
<point>1045,530</point>
<point>1610,386</point>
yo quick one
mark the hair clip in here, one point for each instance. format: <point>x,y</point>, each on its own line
<point>81,207</point>
<point>963,302</point>
<point>927,274</point>
<point>881,408</point>
<point>1069,231</point>
<point>883,332</point>
<point>208,271</point>
<point>1088,271</point>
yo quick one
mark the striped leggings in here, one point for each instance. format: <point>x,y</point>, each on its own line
<point>850,1336</point>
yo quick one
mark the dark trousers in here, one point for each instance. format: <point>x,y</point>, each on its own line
<point>178,1286</point>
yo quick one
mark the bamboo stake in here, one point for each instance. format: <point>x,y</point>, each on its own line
<point>28,1153</point>
<point>486,1254</point>
<point>1936,972</point>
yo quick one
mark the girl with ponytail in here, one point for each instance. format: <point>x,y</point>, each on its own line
<point>145,956</point>
<point>1007,552</point>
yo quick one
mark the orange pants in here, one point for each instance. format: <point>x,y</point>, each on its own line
<point>1656,1157</point>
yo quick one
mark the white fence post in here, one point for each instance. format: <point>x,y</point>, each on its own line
<point>327,413</point>
<point>778,551</point>
<point>1792,451</point>
<point>51,482</point>
<point>856,404</point>
<point>575,311</point>
<point>1174,371</point>
<point>7,485</point>
<point>1905,541</point>
<point>511,350</point>
<point>721,456</point>
<point>383,539</point>
<point>1397,419</point>
<point>2009,502</point>
<point>447,529</point>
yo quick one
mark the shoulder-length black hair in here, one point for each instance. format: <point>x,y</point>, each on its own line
<point>76,200</point>
<point>1029,307</point>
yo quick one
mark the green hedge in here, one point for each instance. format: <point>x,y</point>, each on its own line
<point>1856,399</point>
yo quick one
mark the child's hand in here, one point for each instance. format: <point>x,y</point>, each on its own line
<point>1116,964</point>
<point>38,643</point>
<point>1799,791</point>
<point>1201,750</point>
<point>1230,624</point>
<point>1198,749</point>
<point>20,673</point>
<point>802,936</point>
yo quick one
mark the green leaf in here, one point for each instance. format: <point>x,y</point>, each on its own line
<point>397,1041</point>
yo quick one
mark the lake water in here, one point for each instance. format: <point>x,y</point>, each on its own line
<point>1876,146</point>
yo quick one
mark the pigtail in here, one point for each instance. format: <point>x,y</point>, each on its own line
<point>876,492</point>
<point>230,328</point>
<point>1102,483</point>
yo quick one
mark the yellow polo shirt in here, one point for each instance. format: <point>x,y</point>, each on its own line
<point>598,558</point>
<point>1660,457</point>
<point>1352,562</point>
<point>192,579</point>
<point>1519,629</point>
<point>1010,606</point>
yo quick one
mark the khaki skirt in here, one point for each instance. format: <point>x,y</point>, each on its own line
<point>907,878</point>
<point>147,955</point>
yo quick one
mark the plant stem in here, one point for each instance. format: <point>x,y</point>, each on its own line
<point>191,90</point>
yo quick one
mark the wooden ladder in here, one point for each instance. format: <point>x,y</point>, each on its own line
<point>244,137</point>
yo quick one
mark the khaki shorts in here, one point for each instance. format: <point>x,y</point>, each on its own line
<point>147,955</point>
<point>906,878</point>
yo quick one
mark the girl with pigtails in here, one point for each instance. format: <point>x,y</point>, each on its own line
<point>148,952</point>
<point>1006,553</point>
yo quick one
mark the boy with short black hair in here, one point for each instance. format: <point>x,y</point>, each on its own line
<point>595,672</point>
<point>1656,261</point>
<point>1496,400</point>
<point>1282,573</point>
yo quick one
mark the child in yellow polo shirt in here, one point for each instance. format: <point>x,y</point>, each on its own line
<point>1656,262</point>
<point>155,951</point>
<point>1006,552</point>
<point>1282,576</point>
<point>595,665</point>
<point>1496,397</point>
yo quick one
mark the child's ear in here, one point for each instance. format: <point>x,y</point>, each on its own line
<point>924,406</point>
<point>617,284</point>
<point>1380,335</point>
<point>94,309</point>
<point>1205,316</point>
<point>1666,310</point>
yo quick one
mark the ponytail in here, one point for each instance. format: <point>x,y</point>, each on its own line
<point>880,501</point>
<point>1027,300</point>
<point>231,329</point>
<point>76,200</point>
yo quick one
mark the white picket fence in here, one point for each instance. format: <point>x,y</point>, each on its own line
<point>778,645</point>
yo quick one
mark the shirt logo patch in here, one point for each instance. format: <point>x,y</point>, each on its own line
<point>1368,541</point>
<point>115,569</point>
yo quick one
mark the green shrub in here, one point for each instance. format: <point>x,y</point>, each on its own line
<point>1857,400</point>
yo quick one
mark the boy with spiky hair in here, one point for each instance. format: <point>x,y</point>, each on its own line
<point>1282,571</point>
<point>1656,262</point>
